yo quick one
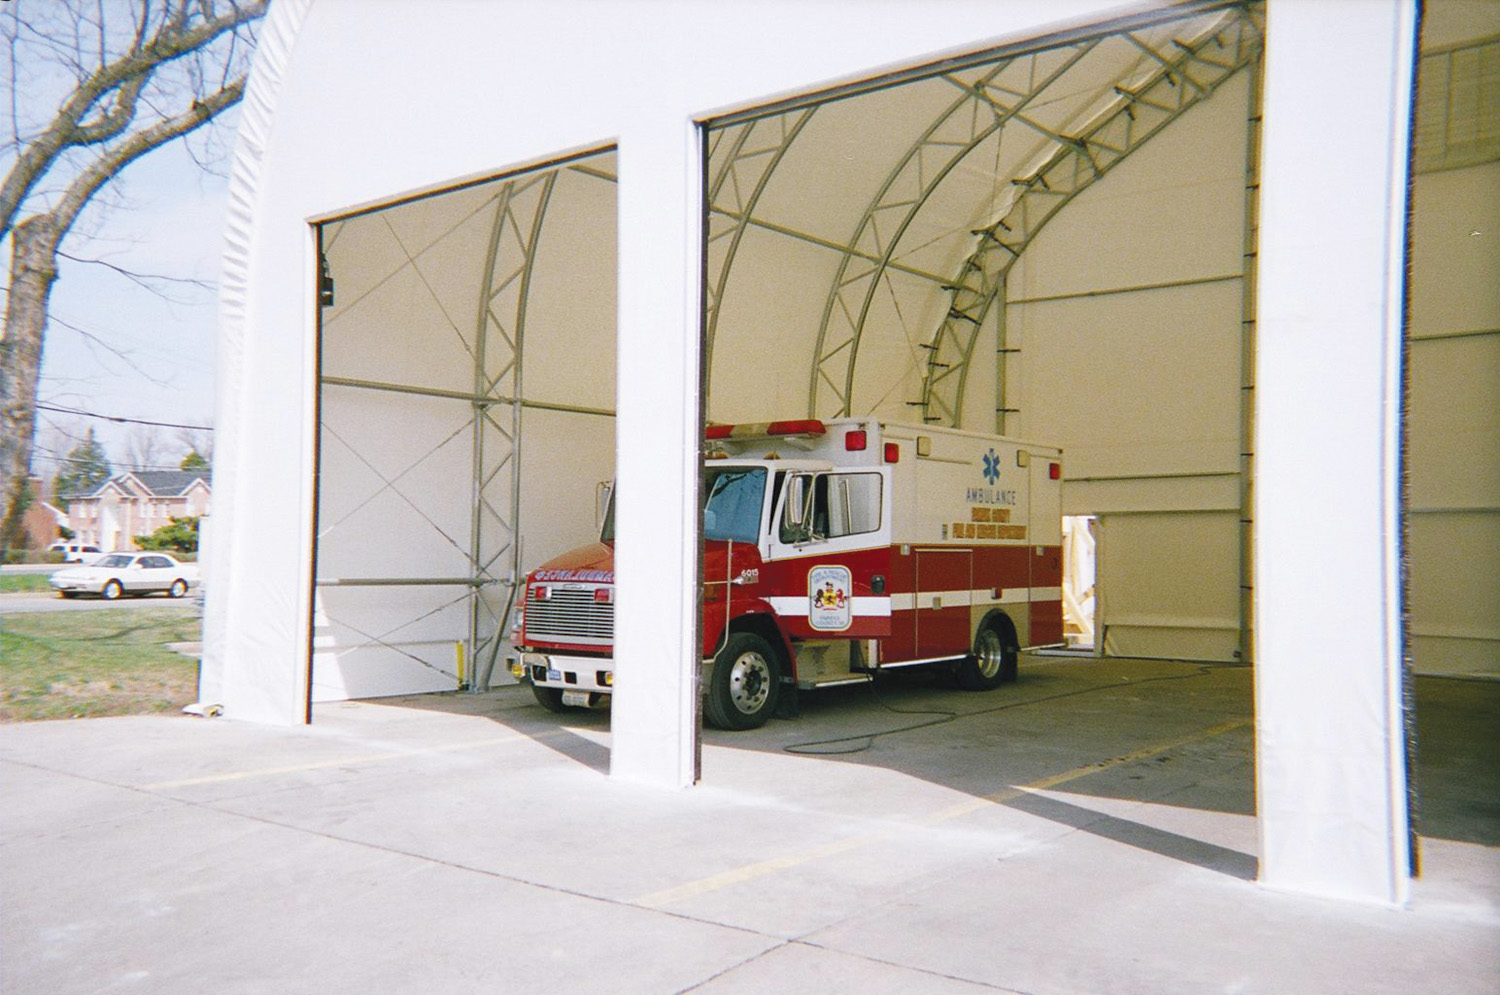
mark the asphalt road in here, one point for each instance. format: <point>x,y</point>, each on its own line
<point>16,604</point>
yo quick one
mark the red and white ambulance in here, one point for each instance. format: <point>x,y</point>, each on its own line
<point>831,551</point>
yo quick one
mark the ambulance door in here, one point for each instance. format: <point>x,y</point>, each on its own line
<point>1044,561</point>
<point>945,581</point>
<point>830,553</point>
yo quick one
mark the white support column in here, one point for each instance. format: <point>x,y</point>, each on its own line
<point>1330,745</point>
<point>656,442</point>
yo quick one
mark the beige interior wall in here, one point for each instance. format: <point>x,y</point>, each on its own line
<point>1168,584</point>
<point>1128,313</point>
<point>1454,422</point>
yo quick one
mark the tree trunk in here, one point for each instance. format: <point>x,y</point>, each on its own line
<point>33,270</point>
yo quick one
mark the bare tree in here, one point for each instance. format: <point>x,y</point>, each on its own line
<point>134,77</point>
<point>197,440</point>
<point>146,448</point>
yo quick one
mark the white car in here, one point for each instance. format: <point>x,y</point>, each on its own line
<point>115,574</point>
<point>75,552</point>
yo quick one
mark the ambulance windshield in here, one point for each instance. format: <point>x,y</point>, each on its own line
<point>732,499</point>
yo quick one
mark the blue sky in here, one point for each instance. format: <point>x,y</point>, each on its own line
<point>164,216</point>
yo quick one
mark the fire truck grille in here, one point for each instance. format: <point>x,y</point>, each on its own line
<point>570,616</point>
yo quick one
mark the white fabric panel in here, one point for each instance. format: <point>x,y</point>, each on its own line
<point>1455,593</point>
<point>395,498</point>
<point>762,346</point>
<point>367,644</point>
<point>1169,585</point>
<point>1455,286</point>
<point>1172,211</point>
<point>1454,424</point>
<point>564,456</point>
<point>1159,392</point>
<point>1330,744</point>
<point>570,321</point>
<point>257,577</point>
<point>1219,492</point>
<point>660,424</point>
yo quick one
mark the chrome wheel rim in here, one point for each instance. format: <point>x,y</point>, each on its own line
<point>749,682</point>
<point>988,653</point>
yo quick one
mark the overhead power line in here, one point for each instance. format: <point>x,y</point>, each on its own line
<point>115,418</point>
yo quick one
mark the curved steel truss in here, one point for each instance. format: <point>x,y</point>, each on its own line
<point>1186,75</point>
<point>742,159</point>
<point>989,99</point>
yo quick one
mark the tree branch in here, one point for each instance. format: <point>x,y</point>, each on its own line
<point>88,183</point>
<point>128,75</point>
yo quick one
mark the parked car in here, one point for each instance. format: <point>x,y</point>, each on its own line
<point>76,552</point>
<point>114,574</point>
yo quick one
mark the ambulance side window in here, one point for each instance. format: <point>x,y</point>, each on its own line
<point>831,505</point>
<point>853,504</point>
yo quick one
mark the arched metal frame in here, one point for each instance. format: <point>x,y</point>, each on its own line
<point>1185,78</point>
<point>975,111</point>
<point>497,402</point>
<point>747,151</point>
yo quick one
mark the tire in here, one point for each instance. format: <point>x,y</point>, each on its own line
<point>178,589</point>
<point>992,663</point>
<point>67,594</point>
<point>111,590</point>
<point>745,683</point>
<point>549,698</point>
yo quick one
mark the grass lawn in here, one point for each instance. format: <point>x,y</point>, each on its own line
<point>66,665</point>
<point>24,583</point>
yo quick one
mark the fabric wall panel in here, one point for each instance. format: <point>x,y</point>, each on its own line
<point>1453,423</point>
<point>570,314</point>
<point>1131,384</point>
<point>1169,585</point>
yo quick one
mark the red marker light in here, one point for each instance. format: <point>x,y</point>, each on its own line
<point>855,441</point>
<point>604,595</point>
<point>540,593</point>
<point>892,453</point>
<point>1054,471</point>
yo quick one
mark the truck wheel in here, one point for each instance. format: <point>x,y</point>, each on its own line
<point>742,691</point>
<point>992,663</point>
<point>549,698</point>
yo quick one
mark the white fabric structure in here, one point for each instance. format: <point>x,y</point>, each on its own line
<point>1031,217</point>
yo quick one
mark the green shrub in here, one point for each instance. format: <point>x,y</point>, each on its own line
<point>181,536</point>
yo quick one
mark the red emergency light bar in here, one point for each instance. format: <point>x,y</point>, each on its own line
<point>763,430</point>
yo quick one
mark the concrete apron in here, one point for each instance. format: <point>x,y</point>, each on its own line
<point>1089,829</point>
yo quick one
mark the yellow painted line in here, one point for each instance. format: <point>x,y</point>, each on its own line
<point>750,872</point>
<point>245,775</point>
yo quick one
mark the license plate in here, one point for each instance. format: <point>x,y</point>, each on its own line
<point>579,699</point>
<point>554,675</point>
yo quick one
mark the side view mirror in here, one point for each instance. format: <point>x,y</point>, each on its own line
<point>603,490</point>
<point>796,502</point>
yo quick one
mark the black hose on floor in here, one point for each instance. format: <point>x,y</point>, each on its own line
<point>866,740</point>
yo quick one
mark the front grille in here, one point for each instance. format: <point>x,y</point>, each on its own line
<point>570,615</point>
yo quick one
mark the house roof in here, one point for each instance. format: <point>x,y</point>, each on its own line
<point>157,483</point>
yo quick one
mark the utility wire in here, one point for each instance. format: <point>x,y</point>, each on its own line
<point>116,418</point>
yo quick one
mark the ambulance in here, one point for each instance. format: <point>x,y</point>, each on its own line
<point>832,551</point>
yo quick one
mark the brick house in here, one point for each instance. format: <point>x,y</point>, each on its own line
<point>137,503</point>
